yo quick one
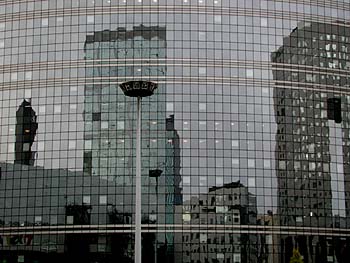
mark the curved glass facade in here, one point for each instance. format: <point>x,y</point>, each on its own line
<point>245,143</point>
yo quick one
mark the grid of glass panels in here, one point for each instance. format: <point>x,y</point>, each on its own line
<point>245,144</point>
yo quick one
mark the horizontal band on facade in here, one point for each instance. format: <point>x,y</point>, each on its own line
<point>200,80</point>
<point>324,3</point>
<point>177,228</point>
<point>172,62</point>
<point>166,9</point>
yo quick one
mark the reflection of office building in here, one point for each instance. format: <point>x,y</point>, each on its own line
<point>312,147</point>
<point>226,206</point>
<point>110,121</point>
<point>26,127</point>
<point>109,115</point>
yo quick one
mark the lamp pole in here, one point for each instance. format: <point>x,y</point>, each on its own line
<point>138,89</point>
<point>138,245</point>
<point>156,174</point>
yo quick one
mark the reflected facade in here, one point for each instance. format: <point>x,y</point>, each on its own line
<point>245,143</point>
<point>311,142</point>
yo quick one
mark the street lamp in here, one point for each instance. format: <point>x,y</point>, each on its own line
<point>138,89</point>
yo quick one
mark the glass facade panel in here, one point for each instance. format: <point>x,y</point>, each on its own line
<point>245,142</point>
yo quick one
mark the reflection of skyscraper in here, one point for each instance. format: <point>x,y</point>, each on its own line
<point>173,160</point>
<point>312,146</point>
<point>109,115</point>
<point>172,179</point>
<point>114,57</point>
<point>26,127</point>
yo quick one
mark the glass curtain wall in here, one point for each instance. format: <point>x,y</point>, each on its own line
<point>245,143</point>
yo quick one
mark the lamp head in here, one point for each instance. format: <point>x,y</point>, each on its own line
<point>155,173</point>
<point>138,88</point>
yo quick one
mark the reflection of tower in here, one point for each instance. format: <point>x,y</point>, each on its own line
<point>26,127</point>
<point>174,159</point>
<point>311,132</point>
<point>173,179</point>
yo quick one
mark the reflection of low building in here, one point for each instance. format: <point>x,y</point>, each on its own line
<point>41,203</point>
<point>219,209</point>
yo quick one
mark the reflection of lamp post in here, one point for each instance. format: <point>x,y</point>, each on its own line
<point>138,89</point>
<point>155,174</point>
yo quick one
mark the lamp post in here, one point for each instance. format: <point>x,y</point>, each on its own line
<point>138,89</point>
<point>156,174</point>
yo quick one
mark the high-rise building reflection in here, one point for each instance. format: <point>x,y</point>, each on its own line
<point>110,132</point>
<point>174,160</point>
<point>312,143</point>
